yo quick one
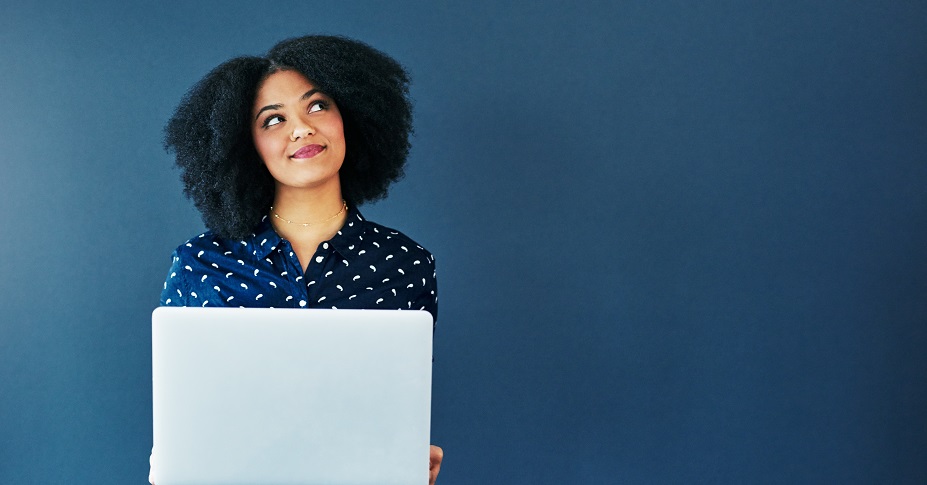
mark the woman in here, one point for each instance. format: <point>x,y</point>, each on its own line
<point>276,153</point>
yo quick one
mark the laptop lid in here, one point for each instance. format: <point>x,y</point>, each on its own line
<point>290,396</point>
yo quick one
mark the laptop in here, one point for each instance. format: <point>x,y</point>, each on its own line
<point>290,396</point>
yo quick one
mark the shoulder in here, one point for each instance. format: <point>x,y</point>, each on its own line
<point>210,250</point>
<point>405,269</point>
<point>210,243</point>
<point>391,240</point>
<point>205,243</point>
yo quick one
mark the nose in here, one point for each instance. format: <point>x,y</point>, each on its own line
<point>300,131</point>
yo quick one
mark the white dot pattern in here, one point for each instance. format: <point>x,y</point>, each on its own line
<point>365,265</point>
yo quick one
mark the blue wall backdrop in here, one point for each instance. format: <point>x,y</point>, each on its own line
<point>678,242</point>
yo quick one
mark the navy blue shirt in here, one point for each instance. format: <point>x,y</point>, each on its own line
<point>365,265</point>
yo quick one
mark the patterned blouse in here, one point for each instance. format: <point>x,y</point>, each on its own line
<point>365,265</point>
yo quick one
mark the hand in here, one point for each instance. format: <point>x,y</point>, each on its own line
<point>434,463</point>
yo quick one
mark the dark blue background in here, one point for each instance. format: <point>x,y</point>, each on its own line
<point>677,242</point>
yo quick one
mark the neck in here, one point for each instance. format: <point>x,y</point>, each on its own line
<point>307,205</point>
<point>315,215</point>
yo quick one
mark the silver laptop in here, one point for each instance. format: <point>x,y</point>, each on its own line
<point>291,396</point>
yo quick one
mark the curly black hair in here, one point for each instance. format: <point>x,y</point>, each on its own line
<point>210,131</point>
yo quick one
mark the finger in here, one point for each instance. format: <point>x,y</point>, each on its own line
<point>437,455</point>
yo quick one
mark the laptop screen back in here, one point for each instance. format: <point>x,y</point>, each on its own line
<point>287,396</point>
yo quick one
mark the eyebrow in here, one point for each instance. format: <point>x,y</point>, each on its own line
<point>304,97</point>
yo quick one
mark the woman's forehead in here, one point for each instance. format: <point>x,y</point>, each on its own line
<point>282,87</point>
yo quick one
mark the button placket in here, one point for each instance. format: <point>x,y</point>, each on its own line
<point>315,273</point>
<point>294,275</point>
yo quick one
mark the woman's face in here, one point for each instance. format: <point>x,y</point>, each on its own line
<point>298,132</point>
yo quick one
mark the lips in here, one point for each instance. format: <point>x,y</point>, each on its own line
<point>308,151</point>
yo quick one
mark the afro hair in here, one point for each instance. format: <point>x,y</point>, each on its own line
<point>210,131</point>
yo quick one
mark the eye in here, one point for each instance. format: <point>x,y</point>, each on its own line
<point>317,106</point>
<point>272,120</point>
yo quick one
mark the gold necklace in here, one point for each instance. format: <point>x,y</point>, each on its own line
<point>344,207</point>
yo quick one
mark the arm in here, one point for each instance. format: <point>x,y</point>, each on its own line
<point>175,289</point>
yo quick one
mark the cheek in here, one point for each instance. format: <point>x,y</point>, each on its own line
<point>336,132</point>
<point>263,145</point>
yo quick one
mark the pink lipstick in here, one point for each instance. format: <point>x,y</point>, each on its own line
<point>308,151</point>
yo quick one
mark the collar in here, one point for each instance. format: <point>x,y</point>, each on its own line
<point>265,238</point>
<point>345,241</point>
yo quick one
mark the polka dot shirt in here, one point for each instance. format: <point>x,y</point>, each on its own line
<point>365,265</point>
